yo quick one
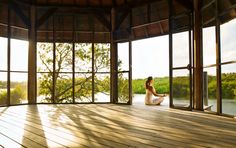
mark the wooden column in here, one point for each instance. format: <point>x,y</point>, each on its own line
<point>170,52</point>
<point>218,61</point>
<point>32,75</point>
<point>8,54</point>
<point>114,76</point>
<point>198,66</point>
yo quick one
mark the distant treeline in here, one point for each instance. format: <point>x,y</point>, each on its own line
<point>181,86</point>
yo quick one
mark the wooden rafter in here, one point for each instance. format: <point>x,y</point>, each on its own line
<point>102,19</point>
<point>186,3</point>
<point>20,13</point>
<point>124,14</point>
<point>45,16</point>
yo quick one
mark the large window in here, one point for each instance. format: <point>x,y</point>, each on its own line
<point>72,73</point>
<point>209,64</point>
<point>45,72</point>
<point>19,71</point>
<point>83,72</point>
<point>3,71</point>
<point>228,67</point>
<point>102,72</point>
<point>123,72</point>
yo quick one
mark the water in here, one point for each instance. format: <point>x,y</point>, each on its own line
<point>228,105</point>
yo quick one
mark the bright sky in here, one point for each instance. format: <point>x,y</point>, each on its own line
<point>150,56</point>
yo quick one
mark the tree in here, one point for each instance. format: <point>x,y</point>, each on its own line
<point>63,71</point>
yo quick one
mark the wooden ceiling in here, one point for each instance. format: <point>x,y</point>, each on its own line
<point>90,20</point>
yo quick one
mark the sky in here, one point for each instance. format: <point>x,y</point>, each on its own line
<point>150,57</point>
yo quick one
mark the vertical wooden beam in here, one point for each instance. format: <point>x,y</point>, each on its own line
<point>198,66</point>
<point>8,55</point>
<point>32,75</point>
<point>54,63</point>
<point>190,62</point>
<point>114,75</point>
<point>93,64</point>
<point>73,59</point>
<point>170,5</point>
<point>130,61</point>
<point>218,61</point>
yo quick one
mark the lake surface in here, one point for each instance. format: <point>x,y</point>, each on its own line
<point>228,105</point>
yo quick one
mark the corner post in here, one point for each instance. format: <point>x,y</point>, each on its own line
<point>32,75</point>
<point>114,74</point>
<point>198,66</point>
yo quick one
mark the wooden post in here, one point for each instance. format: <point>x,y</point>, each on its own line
<point>73,60</point>
<point>8,54</point>
<point>32,75</point>
<point>218,61</point>
<point>170,53</point>
<point>205,88</point>
<point>198,68</point>
<point>114,76</point>
<point>130,59</point>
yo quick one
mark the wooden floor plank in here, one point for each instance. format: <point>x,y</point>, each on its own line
<point>109,125</point>
<point>8,142</point>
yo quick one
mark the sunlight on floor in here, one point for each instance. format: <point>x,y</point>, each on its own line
<point>57,132</point>
<point>13,127</point>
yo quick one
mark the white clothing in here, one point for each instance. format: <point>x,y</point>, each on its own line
<point>149,98</point>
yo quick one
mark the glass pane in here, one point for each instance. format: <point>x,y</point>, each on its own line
<point>123,56</point>
<point>180,49</point>
<point>63,59</point>
<point>210,85</point>
<point>83,57</point>
<point>150,57</point>
<point>44,88</point>
<point>3,55</point>
<point>181,88</point>
<point>19,55</point>
<point>123,87</point>
<point>102,57</point>
<point>228,43</point>
<point>102,87</point>
<point>3,88</point>
<point>45,57</point>
<point>63,88</point>
<point>228,78</point>
<point>18,94</point>
<point>209,46</point>
<point>83,87</point>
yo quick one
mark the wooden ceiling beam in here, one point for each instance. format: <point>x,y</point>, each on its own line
<point>102,19</point>
<point>45,17</point>
<point>188,4</point>
<point>120,19</point>
<point>20,13</point>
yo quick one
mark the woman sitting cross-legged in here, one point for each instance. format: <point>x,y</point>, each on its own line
<point>150,91</point>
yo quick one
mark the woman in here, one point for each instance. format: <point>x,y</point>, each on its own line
<point>150,91</point>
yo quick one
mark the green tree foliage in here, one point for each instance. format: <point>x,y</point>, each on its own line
<point>123,88</point>
<point>229,86</point>
<point>18,93</point>
<point>161,85</point>
<point>181,86</point>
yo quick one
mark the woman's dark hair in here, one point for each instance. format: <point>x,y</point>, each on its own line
<point>147,84</point>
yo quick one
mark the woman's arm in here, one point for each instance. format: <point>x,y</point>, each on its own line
<point>156,94</point>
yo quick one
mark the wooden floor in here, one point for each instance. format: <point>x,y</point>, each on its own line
<point>109,125</point>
